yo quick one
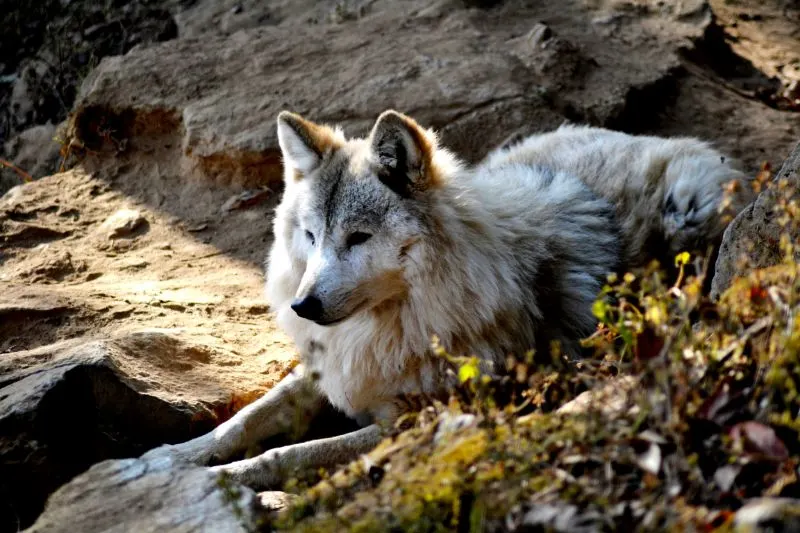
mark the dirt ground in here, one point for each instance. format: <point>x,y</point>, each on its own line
<point>741,91</point>
<point>64,276</point>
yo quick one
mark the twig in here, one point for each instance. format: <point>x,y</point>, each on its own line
<point>25,176</point>
<point>756,328</point>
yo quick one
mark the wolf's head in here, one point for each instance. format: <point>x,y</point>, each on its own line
<point>356,211</point>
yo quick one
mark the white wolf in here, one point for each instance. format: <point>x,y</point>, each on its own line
<point>383,242</point>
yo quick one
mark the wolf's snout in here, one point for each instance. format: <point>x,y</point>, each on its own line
<point>309,308</point>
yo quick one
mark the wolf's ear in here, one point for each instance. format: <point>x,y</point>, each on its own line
<point>303,143</point>
<point>402,152</point>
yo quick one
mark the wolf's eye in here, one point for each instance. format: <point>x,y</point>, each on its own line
<point>356,238</point>
<point>310,237</point>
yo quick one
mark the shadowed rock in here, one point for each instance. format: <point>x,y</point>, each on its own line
<point>752,240</point>
<point>64,407</point>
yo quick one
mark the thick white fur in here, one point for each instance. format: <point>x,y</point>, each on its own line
<point>471,283</point>
<point>296,154</point>
<point>638,174</point>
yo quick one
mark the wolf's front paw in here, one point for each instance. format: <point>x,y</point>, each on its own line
<point>259,473</point>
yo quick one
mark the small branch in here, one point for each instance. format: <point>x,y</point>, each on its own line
<point>756,328</point>
<point>24,175</point>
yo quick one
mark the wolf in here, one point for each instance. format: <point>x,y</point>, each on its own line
<point>382,242</point>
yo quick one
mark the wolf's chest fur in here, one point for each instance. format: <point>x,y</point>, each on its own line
<point>360,365</point>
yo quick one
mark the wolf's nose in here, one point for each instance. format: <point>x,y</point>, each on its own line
<point>309,308</point>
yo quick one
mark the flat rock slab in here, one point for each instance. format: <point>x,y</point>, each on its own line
<point>476,75</point>
<point>155,496</point>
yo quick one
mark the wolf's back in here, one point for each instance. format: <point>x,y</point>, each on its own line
<point>666,192</point>
<point>556,239</point>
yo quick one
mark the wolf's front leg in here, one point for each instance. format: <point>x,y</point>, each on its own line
<point>275,467</point>
<point>286,408</point>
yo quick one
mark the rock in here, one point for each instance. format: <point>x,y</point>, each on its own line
<point>48,48</point>
<point>35,150</point>
<point>610,399</point>
<point>752,239</point>
<point>245,199</point>
<point>28,235</point>
<point>155,496</point>
<point>768,514</point>
<point>27,317</point>
<point>123,223</point>
<point>215,17</point>
<point>219,96</point>
<point>53,306</point>
<point>23,101</point>
<point>52,268</point>
<point>275,501</point>
<point>66,406</point>
<point>223,17</point>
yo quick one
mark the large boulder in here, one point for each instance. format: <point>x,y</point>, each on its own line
<point>66,406</point>
<point>478,76</point>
